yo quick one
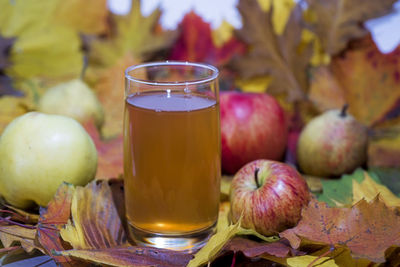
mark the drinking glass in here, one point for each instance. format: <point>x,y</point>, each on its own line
<point>172,153</point>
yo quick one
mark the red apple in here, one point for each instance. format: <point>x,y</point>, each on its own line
<point>253,126</point>
<point>269,194</point>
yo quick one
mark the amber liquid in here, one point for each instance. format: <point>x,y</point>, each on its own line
<point>171,162</point>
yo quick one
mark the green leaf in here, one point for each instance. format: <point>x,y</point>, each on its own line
<point>389,177</point>
<point>340,192</point>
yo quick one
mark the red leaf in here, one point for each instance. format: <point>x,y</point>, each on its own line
<point>110,153</point>
<point>254,249</point>
<point>367,229</point>
<point>195,43</point>
<point>52,218</point>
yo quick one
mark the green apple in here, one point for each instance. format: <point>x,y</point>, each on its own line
<point>74,99</point>
<point>38,152</point>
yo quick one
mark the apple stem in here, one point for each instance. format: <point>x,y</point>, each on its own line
<point>344,110</point>
<point>256,177</point>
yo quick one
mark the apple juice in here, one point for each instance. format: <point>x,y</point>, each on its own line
<point>171,162</point>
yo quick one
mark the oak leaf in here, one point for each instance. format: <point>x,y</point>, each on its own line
<point>95,220</point>
<point>339,21</point>
<point>367,229</point>
<point>278,56</point>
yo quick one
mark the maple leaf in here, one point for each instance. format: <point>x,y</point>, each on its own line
<point>109,86</point>
<point>110,153</point>
<point>95,220</point>
<point>367,229</point>
<point>133,34</point>
<point>338,21</point>
<point>279,56</point>
<point>196,44</point>
<point>52,219</point>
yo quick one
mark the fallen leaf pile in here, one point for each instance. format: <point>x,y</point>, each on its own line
<point>312,55</point>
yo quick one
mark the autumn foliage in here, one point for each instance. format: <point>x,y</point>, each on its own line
<point>311,58</point>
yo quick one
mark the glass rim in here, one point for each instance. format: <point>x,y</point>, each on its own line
<point>207,79</point>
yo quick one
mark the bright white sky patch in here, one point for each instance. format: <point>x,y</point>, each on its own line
<point>385,30</point>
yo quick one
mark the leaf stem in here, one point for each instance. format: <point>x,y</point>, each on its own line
<point>15,223</point>
<point>256,177</point>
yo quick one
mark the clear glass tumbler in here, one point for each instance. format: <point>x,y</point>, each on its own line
<point>172,153</point>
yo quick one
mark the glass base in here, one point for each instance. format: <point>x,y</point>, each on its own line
<point>187,242</point>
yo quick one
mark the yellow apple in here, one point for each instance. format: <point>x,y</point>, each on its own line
<point>38,152</point>
<point>74,99</point>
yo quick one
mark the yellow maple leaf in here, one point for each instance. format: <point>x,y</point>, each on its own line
<point>134,34</point>
<point>368,189</point>
<point>304,261</point>
<point>222,34</point>
<point>255,85</point>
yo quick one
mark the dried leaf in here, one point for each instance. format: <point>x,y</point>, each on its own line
<point>369,189</point>
<point>369,79</point>
<point>11,234</point>
<point>278,56</point>
<point>110,153</point>
<point>95,220</point>
<point>131,256</point>
<point>109,86</point>
<point>305,261</point>
<point>53,218</point>
<point>339,21</point>
<point>367,229</point>
<point>252,248</point>
<point>325,90</point>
